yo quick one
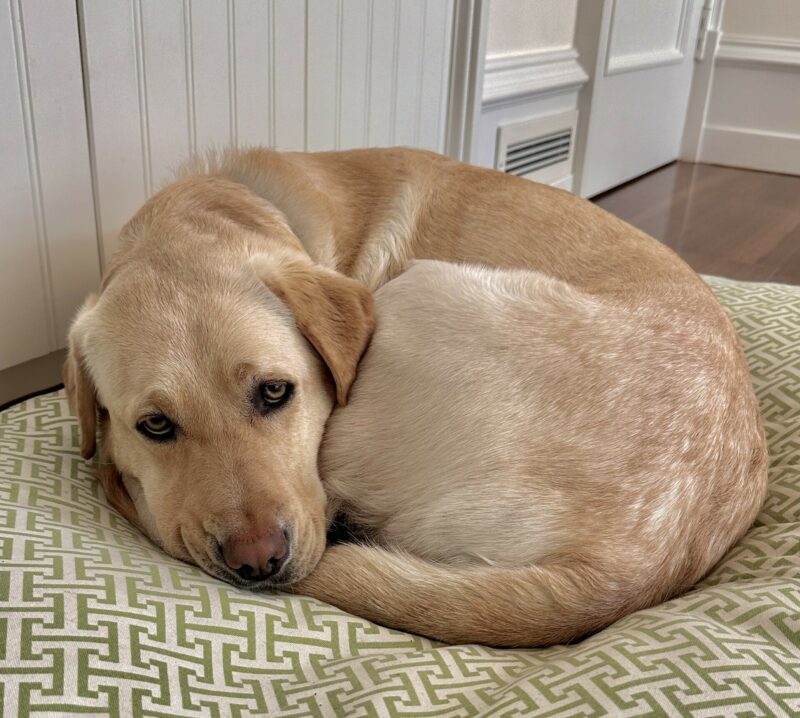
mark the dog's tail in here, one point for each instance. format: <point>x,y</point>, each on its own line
<point>554,602</point>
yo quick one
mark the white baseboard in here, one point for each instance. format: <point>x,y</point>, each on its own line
<point>753,149</point>
<point>563,183</point>
<point>751,50</point>
<point>523,74</point>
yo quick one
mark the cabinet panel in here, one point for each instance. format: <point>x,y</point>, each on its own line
<point>287,79</point>
<point>324,74</point>
<point>121,135</point>
<point>213,39</point>
<point>169,78</point>
<point>252,32</point>
<point>48,251</point>
<point>356,21</point>
<point>165,37</point>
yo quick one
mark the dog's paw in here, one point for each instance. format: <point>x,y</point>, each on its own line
<point>325,581</point>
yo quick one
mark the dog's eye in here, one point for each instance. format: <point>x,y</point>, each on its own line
<point>272,394</point>
<point>275,392</point>
<point>157,427</point>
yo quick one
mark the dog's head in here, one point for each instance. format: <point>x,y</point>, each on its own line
<point>208,365</point>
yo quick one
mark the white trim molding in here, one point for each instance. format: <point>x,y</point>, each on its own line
<point>643,60</point>
<point>754,149</point>
<point>470,24</point>
<point>522,74</point>
<point>754,50</point>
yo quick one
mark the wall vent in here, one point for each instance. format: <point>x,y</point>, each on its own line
<point>539,148</point>
<point>529,156</point>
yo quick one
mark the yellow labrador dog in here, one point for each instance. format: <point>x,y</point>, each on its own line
<point>536,444</point>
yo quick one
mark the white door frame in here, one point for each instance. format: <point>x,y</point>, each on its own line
<point>470,23</point>
<point>705,52</point>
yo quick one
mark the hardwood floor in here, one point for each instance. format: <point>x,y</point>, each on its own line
<point>721,220</point>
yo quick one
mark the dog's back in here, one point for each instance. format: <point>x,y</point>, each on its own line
<point>505,419</point>
<point>451,444</point>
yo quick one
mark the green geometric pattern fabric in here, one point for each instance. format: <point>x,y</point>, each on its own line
<point>94,620</point>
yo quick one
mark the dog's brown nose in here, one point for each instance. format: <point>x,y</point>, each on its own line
<point>254,558</point>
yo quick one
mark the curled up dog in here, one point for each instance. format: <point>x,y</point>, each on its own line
<point>535,444</point>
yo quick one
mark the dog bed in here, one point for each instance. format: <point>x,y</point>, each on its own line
<point>95,620</point>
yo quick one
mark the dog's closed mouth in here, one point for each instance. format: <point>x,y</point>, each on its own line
<point>271,583</point>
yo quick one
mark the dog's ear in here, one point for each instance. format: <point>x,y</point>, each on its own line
<point>114,487</point>
<point>79,385</point>
<point>82,397</point>
<point>335,313</point>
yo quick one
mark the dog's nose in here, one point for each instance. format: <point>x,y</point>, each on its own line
<point>254,558</point>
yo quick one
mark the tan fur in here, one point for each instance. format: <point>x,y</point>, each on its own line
<point>510,420</point>
<point>230,273</point>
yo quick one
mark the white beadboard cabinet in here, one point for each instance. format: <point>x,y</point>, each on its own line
<point>48,241</point>
<point>168,77</point>
<point>102,99</point>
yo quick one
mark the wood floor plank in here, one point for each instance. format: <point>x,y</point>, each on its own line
<point>721,220</point>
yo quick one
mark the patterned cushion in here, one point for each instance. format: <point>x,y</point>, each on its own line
<point>95,620</point>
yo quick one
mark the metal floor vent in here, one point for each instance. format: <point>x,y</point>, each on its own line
<point>539,148</point>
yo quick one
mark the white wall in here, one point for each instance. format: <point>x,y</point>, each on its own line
<point>531,68</point>
<point>752,114</point>
<point>766,18</point>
